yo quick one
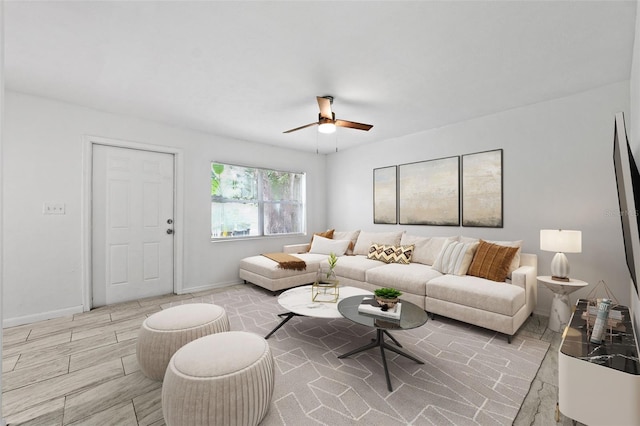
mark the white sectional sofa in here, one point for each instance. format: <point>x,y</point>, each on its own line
<point>500,306</point>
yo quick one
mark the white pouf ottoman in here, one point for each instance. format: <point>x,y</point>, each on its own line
<point>222,379</point>
<point>164,332</point>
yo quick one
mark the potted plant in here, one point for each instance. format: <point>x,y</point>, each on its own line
<point>333,259</point>
<point>328,275</point>
<point>387,296</point>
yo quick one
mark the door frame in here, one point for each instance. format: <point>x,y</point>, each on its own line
<point>88,142</point>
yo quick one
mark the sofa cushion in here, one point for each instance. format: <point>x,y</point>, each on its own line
<point>355,267</point>
<point>426,249</point>
<point>365,239</point>
<point>478,293</point>
<point>268,268</point>
<point>410,278</point>
<point>347,235</point>
<point>321,245</point>
<point>492,261</point>
<point>455,258</point>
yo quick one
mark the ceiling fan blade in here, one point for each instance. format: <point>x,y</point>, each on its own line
<point>301,127</point>
<point>353,125</point>
<point>325,107</point>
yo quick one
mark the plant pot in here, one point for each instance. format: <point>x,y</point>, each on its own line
<point>391,303</point>
<point>326,276</point>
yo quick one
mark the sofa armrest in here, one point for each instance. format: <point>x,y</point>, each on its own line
<point>296,248</point>
<point>526,277</point>
<point>523,276</point>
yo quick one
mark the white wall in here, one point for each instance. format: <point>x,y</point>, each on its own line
<point>42,162</point>
<point>2,422</point>
<point>557,169</point>
<point>558,173</point>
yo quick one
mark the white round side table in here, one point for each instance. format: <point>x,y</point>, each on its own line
<point>560,306</point>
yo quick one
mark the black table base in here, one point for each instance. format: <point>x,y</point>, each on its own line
<point>379,341</point>
<point>287,316</point>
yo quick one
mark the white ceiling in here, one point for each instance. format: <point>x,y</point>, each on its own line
<point>251,70</point>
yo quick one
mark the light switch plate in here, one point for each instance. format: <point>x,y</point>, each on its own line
<point>53,208</point>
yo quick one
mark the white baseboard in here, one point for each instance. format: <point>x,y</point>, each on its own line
<point>210,286</point>
<point>28,319</point>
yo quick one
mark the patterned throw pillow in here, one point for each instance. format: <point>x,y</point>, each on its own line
<point>455,258</point>
<point>375,251</point>
<point>398,254</point>
<point>492,261</point>
<point>391,253</point>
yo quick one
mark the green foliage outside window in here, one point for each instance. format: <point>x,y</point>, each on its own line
<point>251,202</point>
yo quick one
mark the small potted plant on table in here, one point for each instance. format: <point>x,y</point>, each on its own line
<point>387,297</point>
<point>325,289</point>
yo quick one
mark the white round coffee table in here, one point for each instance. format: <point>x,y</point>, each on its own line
<point>297,301</point>
<point>560,306</point>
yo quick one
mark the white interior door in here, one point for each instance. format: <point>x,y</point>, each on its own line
<point>132,224</point>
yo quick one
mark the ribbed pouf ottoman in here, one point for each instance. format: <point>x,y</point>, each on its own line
<point>222,379</point>
<point>164,332</point>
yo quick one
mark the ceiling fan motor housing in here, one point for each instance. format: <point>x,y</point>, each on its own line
<point>323,120</point>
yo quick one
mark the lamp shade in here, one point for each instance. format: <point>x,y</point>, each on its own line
<point>561,240</point>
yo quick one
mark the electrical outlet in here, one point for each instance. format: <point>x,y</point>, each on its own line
<point>53,208</point>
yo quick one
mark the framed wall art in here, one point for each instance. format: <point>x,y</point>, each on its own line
<point>482,189</point>
<point>385,206</point>
<point>429,192</point>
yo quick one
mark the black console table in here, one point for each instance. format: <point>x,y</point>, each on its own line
<point>599,384</point>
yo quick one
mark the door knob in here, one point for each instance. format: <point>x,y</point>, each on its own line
<point>169,231</point>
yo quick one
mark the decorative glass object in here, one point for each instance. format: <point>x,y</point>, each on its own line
<point>325,288</point>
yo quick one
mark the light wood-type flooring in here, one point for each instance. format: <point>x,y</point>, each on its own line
<point>82,370</point>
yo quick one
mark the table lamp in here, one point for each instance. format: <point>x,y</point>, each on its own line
<point>560,241</point>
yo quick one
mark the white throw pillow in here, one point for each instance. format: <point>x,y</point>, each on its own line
<point>322,245</point>
<point>455,258</point>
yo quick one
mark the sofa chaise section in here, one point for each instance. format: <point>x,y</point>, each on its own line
<point>498,306</point>
<point>264,272</point>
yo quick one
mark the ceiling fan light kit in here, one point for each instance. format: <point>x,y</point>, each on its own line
<point>327,119</point>
<point>326,125</point>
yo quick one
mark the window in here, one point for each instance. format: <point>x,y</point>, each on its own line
<point>249,201</point>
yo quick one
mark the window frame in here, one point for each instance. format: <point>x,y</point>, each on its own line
<point>261,203</point>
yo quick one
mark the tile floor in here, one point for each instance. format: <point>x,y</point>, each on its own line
<point>82,370</point>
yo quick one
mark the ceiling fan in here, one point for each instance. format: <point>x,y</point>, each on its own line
<point>327,119</point>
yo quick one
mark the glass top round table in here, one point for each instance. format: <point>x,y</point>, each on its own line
<point>411,316</point>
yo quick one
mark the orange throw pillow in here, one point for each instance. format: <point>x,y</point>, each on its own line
<point>492,261</point>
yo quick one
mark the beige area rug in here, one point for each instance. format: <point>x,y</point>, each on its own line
<point>471,376</point>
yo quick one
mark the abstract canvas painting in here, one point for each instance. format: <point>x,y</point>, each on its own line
<point>385,195</point>
<point>429,192</point>
<point>482,189</point>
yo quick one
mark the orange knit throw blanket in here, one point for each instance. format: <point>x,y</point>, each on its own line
<point>286,261</point>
